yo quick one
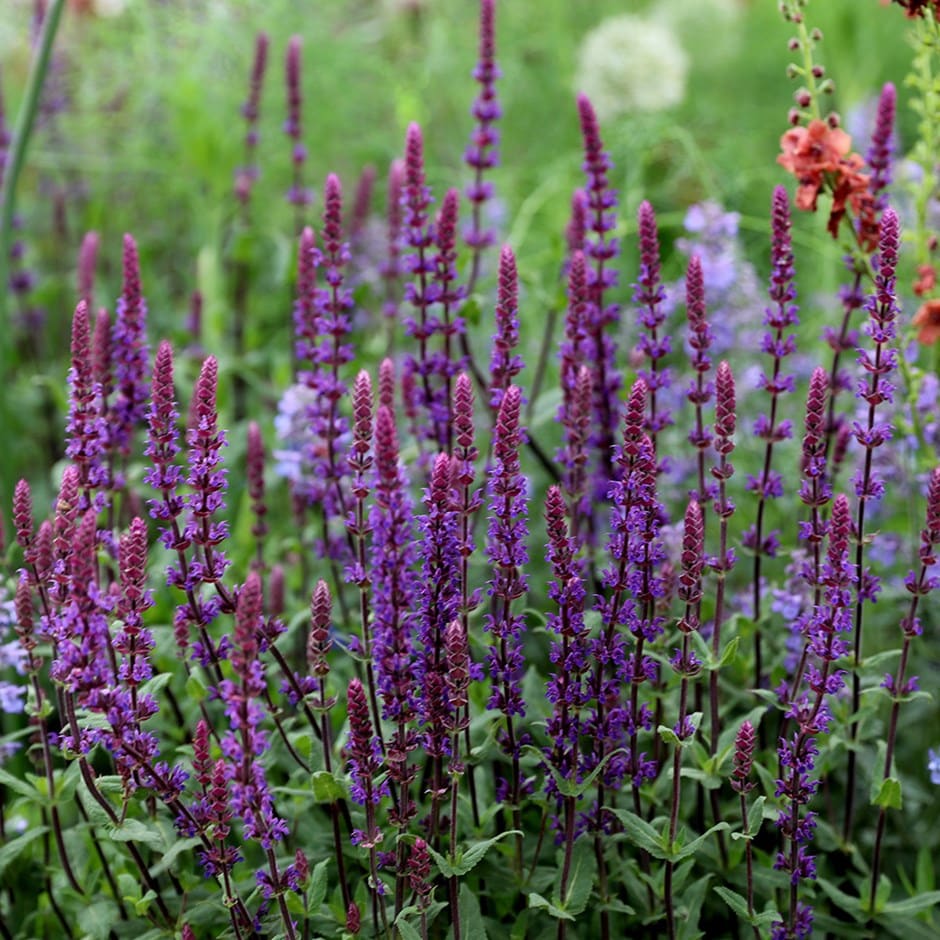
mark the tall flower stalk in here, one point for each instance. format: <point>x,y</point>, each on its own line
<point>507,552</point>
<point>779,317</point>
<point>875,388</point>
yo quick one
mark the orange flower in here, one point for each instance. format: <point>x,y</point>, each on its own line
<point>926,279</point>
<point>808,153</point>
<point>928,319</point>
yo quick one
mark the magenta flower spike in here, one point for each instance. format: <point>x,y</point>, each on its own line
<point>87,430</point>
<point>129,352</point>
<point>247,175</point>
<point>483,152</point>
<point>298,195</point>
<point>505,364</point>
<point>600,249</point>
<point>881,151</point>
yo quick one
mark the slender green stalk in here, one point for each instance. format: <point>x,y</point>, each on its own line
<point>17,156</point>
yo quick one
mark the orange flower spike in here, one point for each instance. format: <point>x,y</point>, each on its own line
<point>927,319</point>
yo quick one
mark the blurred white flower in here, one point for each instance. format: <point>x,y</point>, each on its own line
<point>629,63</point>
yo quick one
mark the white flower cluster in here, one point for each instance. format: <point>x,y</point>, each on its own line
<point>629,63</point>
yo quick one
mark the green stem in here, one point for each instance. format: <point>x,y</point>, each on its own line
<point>17,155</point>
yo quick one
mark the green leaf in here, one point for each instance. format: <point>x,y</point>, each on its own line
<point>738,904</point>
<point>729,653</point>
<point>96,919</point>
<point>405,930</point>
<point>914,905</point>
<point>755,816</point>
<point>318,881</point>
<point>19,786</point>
<point>668,736</point>
<point>642,833</point>
<point>133,830</point>
<point>177,848</point>
<point>889,794</point>
<point>467,861</point>
<point>580,879</point>
<point>154,685</point>
<point>849,904</point>
<point>11,851</point>
<point>471,920</point>
<point>537,901</point>
<point>679,851</point>
<point>734,900</point>
<point>195,688</point>
<point>326,788</point>
<point>142,905</point>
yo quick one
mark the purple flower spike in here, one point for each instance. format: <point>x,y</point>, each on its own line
<point>483,152</point>
<point>206,476</point>
<point>362,749</point>
<point>438,601</point>
<point>245,176</point>
<point>700,390</point>
<point>505,365</point>
<point>815,491</point>
<point>23,519</point>
<point>245,742</point>
<point>649,294</point>
<point>387,384</point>
<point>779,317</point>
<point>569,655</point>
<point>319,641</point>
<point>129,350</point>
<point>577,224</point>
<point>298,195</point>
<point>744,743</point>
<point>393,548</point>
<point>87,260</point>
<point>875,387</point>
<point>881,151</point>
<point>693,560</point>
<point>506,548</point>
<point>255,475</point>
<point>87,431</point>
<point>601,248</point>
<point>165,475</point>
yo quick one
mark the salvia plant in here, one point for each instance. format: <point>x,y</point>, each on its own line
<point>617,639</point>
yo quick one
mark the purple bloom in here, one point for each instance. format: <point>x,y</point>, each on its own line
<point>506,549</point>
<point>933,765</point>
<point>881,151</point>
<point>438,603</point>
<point>393,583</point>
<point>569,653</point>
<point>875,387</point>
<point>245,741</point>
<point>482,154</point>
<point>505,365</point>
<point>245,176</point>
<point>298,195</point>
<point>129,351</point>
<point>649,294</point>
<point>777,343</point>
<point>602,249</point>
<point>87,430</point>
